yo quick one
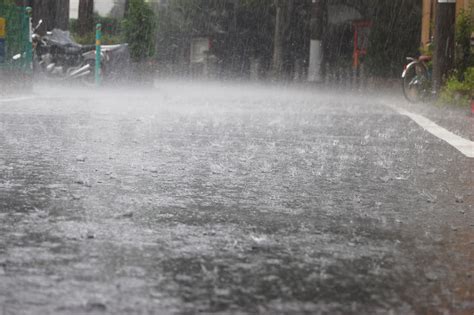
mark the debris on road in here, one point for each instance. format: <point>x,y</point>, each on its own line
<point>81,158</point>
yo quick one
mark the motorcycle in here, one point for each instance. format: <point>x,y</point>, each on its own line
<point>57,56</point>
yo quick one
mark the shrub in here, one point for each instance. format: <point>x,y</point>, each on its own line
<point>111,32</point>
<point>457,92</point>
<point>89,39</point>
<point>394,36</point>
<point>464,28</point>
<point>459,88</point>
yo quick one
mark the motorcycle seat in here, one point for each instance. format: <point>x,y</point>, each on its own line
<point>72,50</point>
<point>86,48</point>
<point>77,49</point>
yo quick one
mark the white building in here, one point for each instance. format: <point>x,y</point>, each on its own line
<point>103,7</point>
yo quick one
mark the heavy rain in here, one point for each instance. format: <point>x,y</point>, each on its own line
<point>236,157</point>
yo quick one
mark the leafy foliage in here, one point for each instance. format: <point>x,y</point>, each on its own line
<point>394,36</point>
<point>111,31</point>
<point>238,32</point>
<point>459,88</point>
<point>89,39</point>
<point>139,29</point>
<point>457,92</point>
<point>464,55</point>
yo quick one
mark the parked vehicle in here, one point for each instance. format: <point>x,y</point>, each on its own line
<point>57,56</point>
<point>416,79</point>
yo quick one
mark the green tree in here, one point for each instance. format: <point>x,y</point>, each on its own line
<point>464,29</point>
<point>394,36</point>
<point>140,30</point>
<point>239,30</point>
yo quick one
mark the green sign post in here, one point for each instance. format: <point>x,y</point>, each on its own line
<point>98,38</point>
<point>29,45</point>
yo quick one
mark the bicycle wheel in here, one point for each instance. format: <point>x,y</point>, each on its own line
<point>416,84</point>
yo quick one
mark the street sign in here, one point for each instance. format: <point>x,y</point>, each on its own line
<point>446,1</point>
<point>2,39</point>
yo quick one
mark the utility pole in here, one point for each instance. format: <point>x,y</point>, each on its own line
<point>318,9</point>
<point>443,56</point>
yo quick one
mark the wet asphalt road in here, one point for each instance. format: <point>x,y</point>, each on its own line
<point>229,200</point>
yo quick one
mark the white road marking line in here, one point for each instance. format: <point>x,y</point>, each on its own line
<point>17,99</point>
<point>464,146</point>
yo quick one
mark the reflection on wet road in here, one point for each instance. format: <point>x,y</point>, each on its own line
<point>214,199</point>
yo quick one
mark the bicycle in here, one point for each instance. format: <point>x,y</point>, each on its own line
<point>416,79</point>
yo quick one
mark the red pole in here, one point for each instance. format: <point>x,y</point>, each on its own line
<point>356,48</point>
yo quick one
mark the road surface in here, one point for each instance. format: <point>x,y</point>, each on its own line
<point>229,199</point>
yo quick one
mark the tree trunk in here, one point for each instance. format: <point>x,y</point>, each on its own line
<point>54,13</point>
<point>86,17</point>
<point>125,8</point>
<point>443,56</point>
<point>62,14</point>
<point>284,11</point>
